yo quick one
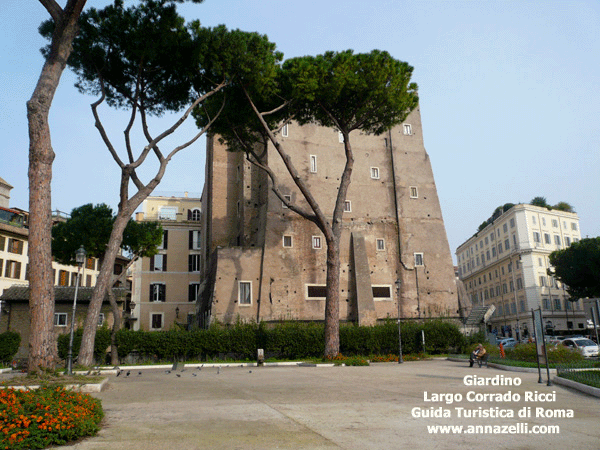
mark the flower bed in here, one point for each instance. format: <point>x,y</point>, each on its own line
<point>47,416</point>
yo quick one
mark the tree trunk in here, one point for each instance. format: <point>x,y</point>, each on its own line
<point>103,283</point>
<point>332,302</point>
<point>42,344</point>
<point>114,352</point>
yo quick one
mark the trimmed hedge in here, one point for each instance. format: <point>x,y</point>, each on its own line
<point>101,343</point>
<point>9,345</point>
<point>288,340</point>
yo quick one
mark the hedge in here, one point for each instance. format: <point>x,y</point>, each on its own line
<point>287,340</point>
<point>9,345</point>
<point>101,343</point>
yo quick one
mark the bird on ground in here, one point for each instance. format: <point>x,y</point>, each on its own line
<point>128,373</point>
<point>218,370</point>
<point>178,376</point>
<point>139,373</point>
<point>194,374</point>
<point>167,371</point>
<point>119,372</point>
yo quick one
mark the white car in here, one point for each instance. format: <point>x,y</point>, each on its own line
<point>507,342</point>
<point>586,347</point>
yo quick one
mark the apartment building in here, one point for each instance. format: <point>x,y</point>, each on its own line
<point>263,262</point>
<point>165,287</point>
<point>505,264</point>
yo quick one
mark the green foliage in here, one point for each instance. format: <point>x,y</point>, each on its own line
<point>557,354</point>
<point>578,266</point>
<point>101,343</point>
<point>9,345</point>
<point>67,416</point>
<point>563,206</point>
<point>91,227</point>
<point>539,201</point>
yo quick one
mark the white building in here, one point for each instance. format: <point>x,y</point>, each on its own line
<point>505,264</point>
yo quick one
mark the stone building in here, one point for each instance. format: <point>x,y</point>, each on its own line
<point>263,262</point>
<point>165,287</point>
<point>505,264</point>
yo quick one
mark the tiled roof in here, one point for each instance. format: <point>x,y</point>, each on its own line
<point>61,294</point>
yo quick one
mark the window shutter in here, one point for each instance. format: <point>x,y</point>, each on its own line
<point>191,292</point>
<point>163,292</point>
<point>190,263</point>
<point>164,267</point>
<point>191,246</point>
<point>166,239</point>
<point>151,292</point>
<point>189,214</point>
<point>151,263</point>
<point>18,271</point>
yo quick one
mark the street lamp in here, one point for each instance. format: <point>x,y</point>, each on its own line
<point>80,259</point>
<point>400,361</point>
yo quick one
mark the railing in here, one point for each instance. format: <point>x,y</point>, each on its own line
<point>586,372</point>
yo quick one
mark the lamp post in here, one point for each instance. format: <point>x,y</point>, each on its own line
<point>400,361</point>
<point>80,259</point>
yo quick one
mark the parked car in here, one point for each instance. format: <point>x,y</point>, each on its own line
<point>584,346</point>
<point>508,342</point>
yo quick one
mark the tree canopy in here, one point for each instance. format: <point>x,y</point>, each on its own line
<point>578,266</point>
<point>91,227</point>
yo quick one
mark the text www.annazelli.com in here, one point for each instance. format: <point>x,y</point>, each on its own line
<point>519,428</point>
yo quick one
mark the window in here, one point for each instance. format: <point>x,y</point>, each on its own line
<point>487,255</point>
<point>557,305</point>
<point>194,240</point>
<point>547,238</point>
<point>522,305</point>
<point>15,246</point>
<point>407,129</point>
<point>375,173</point>
<point>100,319</point>
<point>13,270</point>
<point>567,241</point>
<point>511,286</point>
<point>63,277</point>
<point>542,280</point>
<point>513,308</point>
<point>167,213</point>
<point>536,237</point>
<point>313,163</point>
<point>73,278</point>
<point>493,251</point>
<point>573,226</point>
<point>347,206</point>
<point>90,263</point>
<point>533,220</point>
<point>285,130</point>
<point>506,245</point>
<point>193,292</point>
<point>156,321</point>
<point>509,267</point>
<point>486,240</point>
<point>287,241</point>
<point>519,283</point>
<point>158,263</point>
<point>512,222</point>
<point>414,193</point>
<point>543,221</point>
<point>418,259</point>
<point>504,288</point>
<point>316,242</point>
<point>492,236</point>
<point>382,292</point>
<point>158,292</point>
<point>288,198</point>
<point>554,223</point>
<point>193,263</point>
<point>315,291</point>
<point>2,241</point>
<point>557,239</point>
<point>60,319</point>
<point>245,292</point>
<point>165,240</point>
<point>546,303</point>
<point>194,214</point>
<point>380,244</point>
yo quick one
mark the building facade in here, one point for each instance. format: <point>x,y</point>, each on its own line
<point>165,287</point>
<point>505,265</point>
<point>263,262</point>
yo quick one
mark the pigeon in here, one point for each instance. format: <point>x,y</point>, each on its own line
<point>118,373</point>
<point>128,373</point>
<point>178,376</point>
<point>167,371</point>
<point>218,370</point>
<point>194,374</point>
<point>139,373</point>
<point>250,372</point>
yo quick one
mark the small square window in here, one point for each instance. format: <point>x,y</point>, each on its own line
<point>156,321</point>
<point>375,173</point>
<point>313,163</point>
<point>414,193</point>
<point>418,259</point>
<point>347,206</point>
<point>380,244</point>
<point>407,129</point>
<point>60,319</point>
<point>287,241</point>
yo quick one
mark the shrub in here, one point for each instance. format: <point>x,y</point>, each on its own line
<point>101,343</point>
<point>557,354</point>
<point>9,345</point>
<point>47,416</point>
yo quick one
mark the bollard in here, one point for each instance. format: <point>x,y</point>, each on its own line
<point>260,357</point>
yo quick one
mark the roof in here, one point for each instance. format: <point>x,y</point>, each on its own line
<point>20,293</point>
<point>4,182</point>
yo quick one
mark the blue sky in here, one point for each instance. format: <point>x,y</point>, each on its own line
<point>509,91</point>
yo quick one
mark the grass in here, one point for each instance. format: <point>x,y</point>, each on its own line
<point>51,379</point>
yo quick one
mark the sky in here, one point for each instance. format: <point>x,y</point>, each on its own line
<point>509,98</point>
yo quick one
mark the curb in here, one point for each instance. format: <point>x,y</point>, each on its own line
<point>589,390</point>
<point>85,388</point>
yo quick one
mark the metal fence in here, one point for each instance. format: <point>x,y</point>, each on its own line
<point>586,372</point>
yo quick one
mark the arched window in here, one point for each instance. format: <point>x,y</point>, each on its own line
<point>194,214</point>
